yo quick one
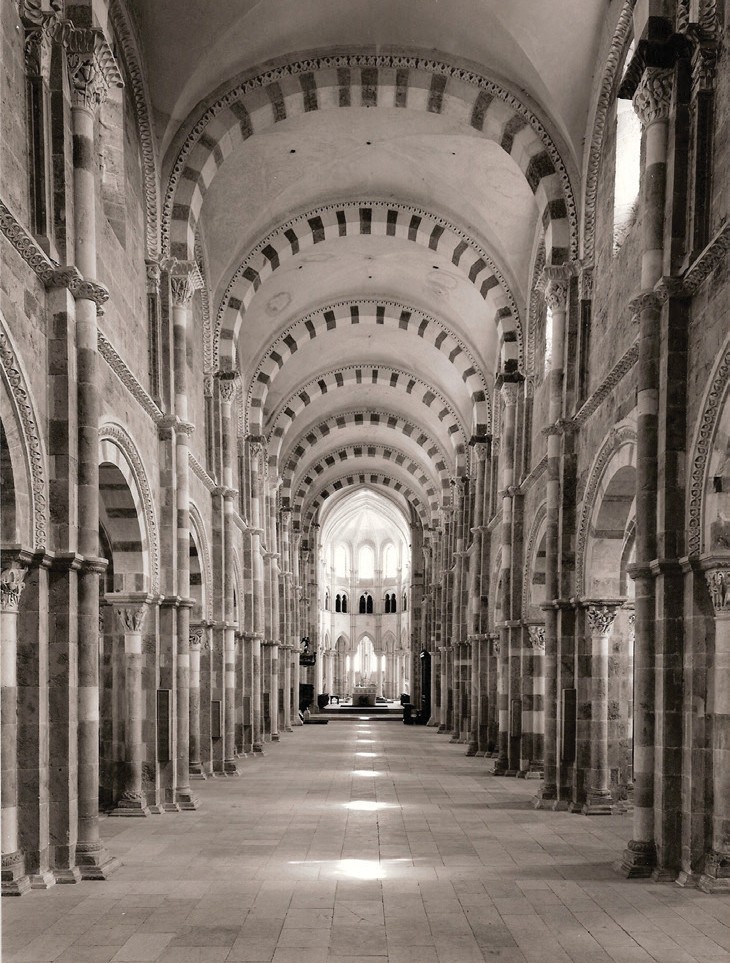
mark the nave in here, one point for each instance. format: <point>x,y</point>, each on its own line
<point>364,841</point>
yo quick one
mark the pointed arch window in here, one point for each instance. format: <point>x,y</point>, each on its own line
<point>405,602</point>
<point>344,602</point>
<point>387,603</point>
<point>327,601</point>
<point>338,603</point>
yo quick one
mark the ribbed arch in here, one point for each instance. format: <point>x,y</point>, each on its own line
<point>384,317</point>
<point>369,374</point>
<point>378,218</point>
<point>253,103</point>
<point>371,479</point>
<point>367,420</point>
<point>400,462</point>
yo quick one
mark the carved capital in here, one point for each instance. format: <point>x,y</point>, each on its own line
<point>92,68</point>
<point>185,280</point>
<point>704,67</point>
<point>510,393</point>
<point>653,96</point>
<point>38,47</point>
<point>556,295</point>
<point>601,617</point>
<point>555,283</point>
<point>647,300</point>
<point>717,576</point>
<point>196,638</point>
<point>536,637</point>
<point>481,450</point>
<point>12,583</point>
<point>131,616</point>
<point>227,385</point>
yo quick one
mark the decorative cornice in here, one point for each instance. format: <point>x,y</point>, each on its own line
<point>12,583</point>
<point>653,96</point>
<point>34,452</point>
<point>130,46</point>
<point>358,60</point>
<point>200,472</point>
<point>712,256</point>
<point>621,35</point>
<point>109,353</point>
<point>613,378</point>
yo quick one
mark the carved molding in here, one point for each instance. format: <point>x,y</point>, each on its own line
<point>612,379</point>
<point>620,39</point>
<point>200,472</point>
<point>714,255</point>
<point>130,46</point>
<point>653,97</point>
<point>12,583</point>
<point>118,436</point>
<point>122,371</point>
<point>358,60</point>
<point>701,450</point>
<point>199,255</point>
<point>33,453</point>
<point>617,437</point>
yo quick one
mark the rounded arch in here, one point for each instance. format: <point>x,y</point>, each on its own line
<point>24,453</point>
<point>369,479</point>
<point>117,449</point>
<point>605,515</point>
<point>385,316</point>
<point>385,219</point>
<point>200,538</point>
<point>366,374</point>
<point>353,452</point>
<point>253,102</point>
<point>704,508</point>
<point>534,571</point>
<point>366,419</point>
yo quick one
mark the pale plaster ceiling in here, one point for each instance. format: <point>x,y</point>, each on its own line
<point>545,53</point>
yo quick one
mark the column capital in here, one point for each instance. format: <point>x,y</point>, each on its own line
<point>536,637</point>
<point>91,66</point>
<point>717,575</point>
<point>185,279</point>
<point>227,383</point>
<point>653,95</point>
<point>646,300</point>
<point>555,283</point>
<point>130,610</point>
<point>12,583</point>
<point>510,393</point>
<point>601,613</point>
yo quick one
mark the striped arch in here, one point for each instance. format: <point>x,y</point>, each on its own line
<point>384,219</point>
<point>366,374</point>
<point>365,419</point>
<point>391,315</point>
<point>197,529</point>
<point>350,452</point>
<point>128,511</point>
<point>253,103</point>
<point>370,479</point>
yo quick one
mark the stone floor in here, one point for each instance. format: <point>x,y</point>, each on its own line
<point>360,841</point>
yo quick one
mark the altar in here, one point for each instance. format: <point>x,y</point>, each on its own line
<point>364,695</point>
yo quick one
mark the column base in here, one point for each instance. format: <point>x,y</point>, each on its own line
<point>43,880</point>
<point>63,876</point>
<point>716,877</point>
<point>442,728</point>
<point>511,772</point>
<point>454,739</point>
<point>545,797</point>
<point>472,750</point>
<point>688,880</point>
<point>288,729</point>
<point>230,769</point>
<point>597,808</point>
<point>639,860</point>
<point>197,772</point>
<point>157,809</point>
<point>275,737</point>
<point>257,751</point>
<point>131,807</point>
<point>431,723</point>
<point>661,874</point>
<point>94,862</point>
<point>559,806</point>
<point>186,800</point>
<point>499,770</point>
<point>170,807</point>
<point>14,880</point>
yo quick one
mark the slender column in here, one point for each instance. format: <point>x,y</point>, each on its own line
<point>15,882</point>
<point>131,612</point>
<point>91,70</point>
<point>227,381</point>
<point>716,875</point>
<point>196,645</point>
<point>652,101</point>
<point>556,279</point>
<point>509,391</point>
<point>184,281</point>
<point>532,712</point>
<point>600,617</point>
<point>258,468</point>
<point>474,602</point>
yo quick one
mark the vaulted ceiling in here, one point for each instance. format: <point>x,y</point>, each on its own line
<point>368,182</point>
